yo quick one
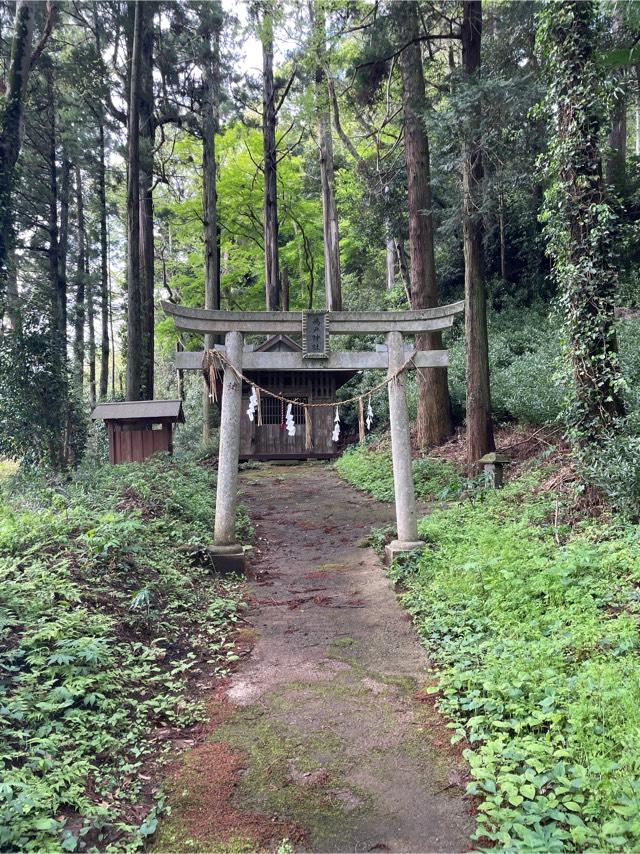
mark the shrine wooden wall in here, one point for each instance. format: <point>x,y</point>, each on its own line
<point>269,441</point>
<point>134,443</point>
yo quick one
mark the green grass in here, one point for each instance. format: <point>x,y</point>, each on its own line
<point>372,472</point>
<point>105,613</point>
<point>537,646</point>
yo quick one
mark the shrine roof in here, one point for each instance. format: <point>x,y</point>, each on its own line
<point>139,410</point>
<point>278,342</point>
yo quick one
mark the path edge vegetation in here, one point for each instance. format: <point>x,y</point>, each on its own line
<point>114,629</point>
<point>528,608</point>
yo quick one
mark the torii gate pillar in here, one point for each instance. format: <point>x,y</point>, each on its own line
<point>401,454</point>
<point>226,553</point>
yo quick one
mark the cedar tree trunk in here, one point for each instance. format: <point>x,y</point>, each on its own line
<point>434,407</point>
<point>272,270</point>
<point>330,229</point>
<point>135,355</point>
<point>479,427</point>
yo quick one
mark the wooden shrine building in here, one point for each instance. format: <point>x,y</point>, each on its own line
<point>269,440</point>
<point>138,429</point>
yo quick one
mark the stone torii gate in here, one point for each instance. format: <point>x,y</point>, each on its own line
<point>316,328</point>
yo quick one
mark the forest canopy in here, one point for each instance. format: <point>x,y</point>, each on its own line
<point>312,155</point>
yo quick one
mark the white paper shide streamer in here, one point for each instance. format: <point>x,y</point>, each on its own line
<point>289,423</point>
<point>253,403</point>
<point>369,416</point>
<point>336,426</point>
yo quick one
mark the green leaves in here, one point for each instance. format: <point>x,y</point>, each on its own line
<point>103,616</point>
<point>538,652</point>
<point>372,472</point>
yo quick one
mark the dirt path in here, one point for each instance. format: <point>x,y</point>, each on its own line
<point>340,752</point>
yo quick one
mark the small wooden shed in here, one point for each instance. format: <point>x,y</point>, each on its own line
<point>315,384</point>
<point>138,429</point>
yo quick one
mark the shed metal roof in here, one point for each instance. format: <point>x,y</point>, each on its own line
<point>140,410</point>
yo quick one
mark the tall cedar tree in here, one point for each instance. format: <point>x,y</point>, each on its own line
<point>330,227</point>
<point>269,118</point>
<point>104,265</point>
<point>135,357</point>
<point>580,223</point>
<point>434,407</point>
<point>11,119</point>
<point>80,280</point>
<point>210,32</point>
<point>479,427</point>
<point>146,151</point>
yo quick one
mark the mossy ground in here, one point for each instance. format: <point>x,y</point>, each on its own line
<point>324,741</point>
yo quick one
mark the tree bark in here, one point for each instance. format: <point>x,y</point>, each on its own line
<point>80,282</point>
<point>616,164</point>
<point>91,318</point>
<point>56,400</point>
<point>637,146</point>
<point>479,427</point>
<point>65,180</point>
<point>11,119</point>
<point>111,330</point>
<point>330,227</point>
<point>147,142</point>
<point>135,356</point>
<point>271,263</point>
<point>434,423</point>
<point>104,269</point>
<point>210,99</point>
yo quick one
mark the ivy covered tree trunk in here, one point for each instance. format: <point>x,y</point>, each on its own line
<point>616,162</point>
<point>11,113</point>
<point>579,222</point>
<point>434,407</point>
<point>479,426</point>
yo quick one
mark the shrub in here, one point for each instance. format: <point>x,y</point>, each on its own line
<point>105,610</point>
<point>614,468</point>
<point>372,472</point>
<point>524,352</point>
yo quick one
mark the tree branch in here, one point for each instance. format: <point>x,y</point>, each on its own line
<point>48,27</point>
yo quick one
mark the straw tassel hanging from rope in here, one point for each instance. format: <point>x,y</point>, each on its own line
<point>209,369</point>
<point>308,428</point>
